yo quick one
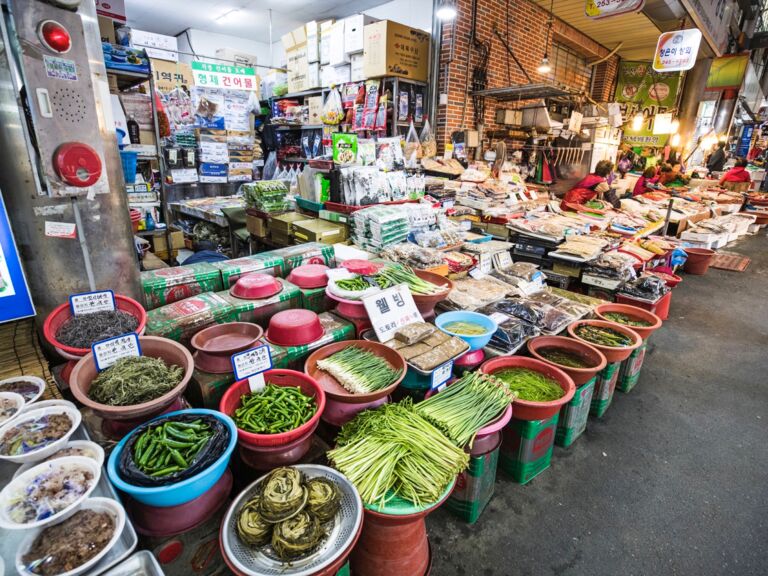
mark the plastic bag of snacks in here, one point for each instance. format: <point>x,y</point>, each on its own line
<point>428,142</point>
<point>333,113</point>
<point>412,148</point>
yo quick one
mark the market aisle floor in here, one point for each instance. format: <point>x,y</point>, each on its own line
<point>673,480</point>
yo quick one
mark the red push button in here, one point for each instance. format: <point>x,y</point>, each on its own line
<point>54,36</point>
<point>77,164</point>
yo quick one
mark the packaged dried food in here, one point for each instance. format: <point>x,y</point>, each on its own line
<point>415,332</point>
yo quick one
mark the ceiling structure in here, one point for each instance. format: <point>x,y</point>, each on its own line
<point>243,18</point>
<point>638,33</point>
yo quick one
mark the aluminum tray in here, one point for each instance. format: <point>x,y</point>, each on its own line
<point>11,539</point>
<point>143,563</point>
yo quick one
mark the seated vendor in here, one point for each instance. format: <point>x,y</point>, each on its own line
<point>672,175</point>
<point>647,182</point>
<point>589,188</point>
<point>738,173</point>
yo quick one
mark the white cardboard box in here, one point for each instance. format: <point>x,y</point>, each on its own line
<point>336,53</point>
<point>313,75</point>
<point>356,68</point>
<point>313,49</point>
<point>325,41</point>
<point>353,32</point>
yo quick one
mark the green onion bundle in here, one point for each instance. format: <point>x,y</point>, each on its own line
<point>466,406</point>
<point>530,385</point>
<point>359,370</point>
<point>393,452</point>
<point>626,319</point>
<point>394,274</point>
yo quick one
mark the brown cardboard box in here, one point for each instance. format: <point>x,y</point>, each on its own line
<point>256,226</point>
<point>107,30</point>
<point>280,238</point>
<point>392,49</point>
<point>170,75</point>
<point>160,243</point>
<point>315,105</point>
<point>320,231</point>
<point>284,222</point>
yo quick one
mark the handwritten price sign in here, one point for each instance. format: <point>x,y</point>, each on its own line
<point>89,302</point>
<point>251,364</point>
<point>107,352</point>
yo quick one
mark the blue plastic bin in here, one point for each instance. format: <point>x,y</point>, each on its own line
<point>129,160</point>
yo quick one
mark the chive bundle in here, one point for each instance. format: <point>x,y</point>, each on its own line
<point>393,452</point>
<point>466,406</point>
<point>359,370</point>
<point>398,274</point>
<point>603,336</point>
<point>531,385</point>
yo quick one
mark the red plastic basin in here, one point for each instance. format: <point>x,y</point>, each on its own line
<point>62,313</point>
<point>633,312</point>
<point>526,409</point>
<point>589,353</point>
<point>294,328</point>
<point>611,353</point>
<point>232,399</point>
<point>255,286</point>
<point>309,276</point>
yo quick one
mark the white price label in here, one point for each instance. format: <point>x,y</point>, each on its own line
<point>107,352</point>
<point>477,274</point>
<point>390,310</point>
<point>257,383</point>
<point>60,229</point>
<point>486,263</point>
<point>89,302</point>
<point>498,317</point>
<point>502,260</point>
<point>442,374</point>
<point>251,362</point>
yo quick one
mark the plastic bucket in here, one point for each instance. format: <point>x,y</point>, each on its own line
<point>698,261</point>
<point>129,161</point>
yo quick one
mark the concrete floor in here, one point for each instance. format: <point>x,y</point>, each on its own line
<point>672,480</point>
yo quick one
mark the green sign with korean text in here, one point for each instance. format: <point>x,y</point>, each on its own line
<point>640,89</point>
<point>224,76</point>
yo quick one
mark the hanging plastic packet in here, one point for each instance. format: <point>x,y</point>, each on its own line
<point>366,151</point>
<point>428,142</point>
<point>332,113</point>
<point>402,106</point>
<point>358,125</point>
<point>418,112</point>
<point>412,150</point>
<point>381,118</point>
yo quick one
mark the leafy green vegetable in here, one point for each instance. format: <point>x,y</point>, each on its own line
<point>530,385</point>
<point>603,336</point>
<point>562,357</point>
<point>626,319</point>
<point>134,380</point>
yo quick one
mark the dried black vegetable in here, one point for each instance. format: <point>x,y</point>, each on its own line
<point>83,330</point>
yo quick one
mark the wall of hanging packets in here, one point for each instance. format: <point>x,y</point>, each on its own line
<point>212,137</point>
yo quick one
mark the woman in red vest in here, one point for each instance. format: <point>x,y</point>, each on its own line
<point>738,173</point>
<point>590,187</point>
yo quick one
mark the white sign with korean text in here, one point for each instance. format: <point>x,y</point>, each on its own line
<point>390,310</point>
<point>156,45</point>
<point>604,8</point>
<point>89,302</point>
<point>676,51</point>
<point>107,352</point>
<point>224,76</point>
<point>251,364</point>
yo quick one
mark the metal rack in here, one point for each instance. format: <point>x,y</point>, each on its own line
<point>395,84</point>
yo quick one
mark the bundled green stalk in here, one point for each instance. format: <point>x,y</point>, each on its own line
<point>359,370</point>
<point>466,406</point>
<point>530,385</point>
<point>394,274</point>
<point>393,452</point>
<point>603,336</point>
<point>626,319</point>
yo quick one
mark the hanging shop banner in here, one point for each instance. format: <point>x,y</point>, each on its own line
<point>15,301</point>
<point>157,46</point>
<point>676,51</point>
<point>727,72</point>
<point>605,8</point>
<point>639,89</point>
<point>223,76</point>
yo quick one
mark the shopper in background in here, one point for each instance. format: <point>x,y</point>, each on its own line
<point>626,160</point>
<point>672,175</point>
<point>592,186</point>
<point>738,173</point>
<point>716,160</point>
<point>648,182</point>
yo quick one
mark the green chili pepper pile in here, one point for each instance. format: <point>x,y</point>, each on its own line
<point>273,410</point>
<point>170,447</point>
<point>359,370</point>
<point>603,336</point>
<point>530,385</point>
<point>466,406</point>
<point>626,319</point>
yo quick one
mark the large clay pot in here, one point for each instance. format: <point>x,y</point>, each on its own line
<point>635,313</point>
<point>590,354</point>
<point>426,302</point>
<point>698,261</point>
<point>612,353</point>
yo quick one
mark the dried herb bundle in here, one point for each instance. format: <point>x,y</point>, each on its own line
<point>134,380</point>
<point>82,331</point>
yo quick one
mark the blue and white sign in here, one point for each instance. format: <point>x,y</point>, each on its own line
<point>15,301</point>
<point>109,351</point>
<point>441,375</point>
<point>89,302</point>
<point>251,364</point>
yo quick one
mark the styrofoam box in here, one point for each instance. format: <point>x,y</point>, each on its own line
<point>353,32</point>
<point>337,55</point>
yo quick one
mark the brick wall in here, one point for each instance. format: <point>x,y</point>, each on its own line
<point>524,27</point>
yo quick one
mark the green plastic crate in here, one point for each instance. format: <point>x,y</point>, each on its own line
<point>526,450</point>
<point>474,487</point>
<point>344,570</point>
<point>605,385</point>
<point>310,205</point>
<point>574,415</point>
<point>629,373</point>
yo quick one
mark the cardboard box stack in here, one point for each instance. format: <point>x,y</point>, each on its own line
<point>392,49</point>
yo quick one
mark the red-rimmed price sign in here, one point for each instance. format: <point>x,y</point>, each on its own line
<point>390,310</point>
